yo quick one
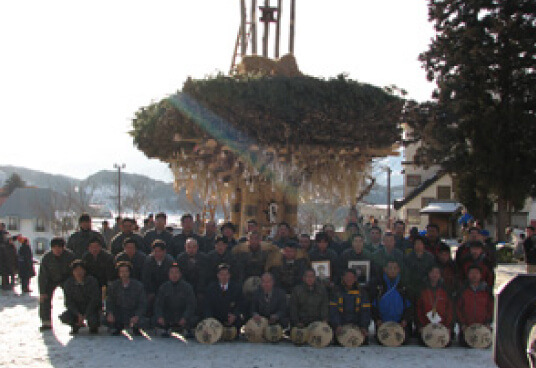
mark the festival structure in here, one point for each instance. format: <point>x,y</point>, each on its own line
<point>266,137</point>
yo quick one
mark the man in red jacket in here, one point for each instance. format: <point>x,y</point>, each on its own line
<point>434,304</point>
<point>478,258</point>
<point>475,302</point>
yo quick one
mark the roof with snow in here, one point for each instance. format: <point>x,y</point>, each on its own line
<point>442,207</point>
<point>29,203</point>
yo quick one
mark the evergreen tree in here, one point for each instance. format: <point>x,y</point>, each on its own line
<point>12,183</point>
<point>481,126</point>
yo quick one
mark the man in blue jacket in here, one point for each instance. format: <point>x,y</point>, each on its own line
<point>390,302</point>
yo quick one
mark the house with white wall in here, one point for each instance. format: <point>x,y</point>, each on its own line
<point>38,214</point>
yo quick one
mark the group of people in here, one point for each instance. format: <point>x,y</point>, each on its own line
<point>173,282</point>
<point>16,258</point>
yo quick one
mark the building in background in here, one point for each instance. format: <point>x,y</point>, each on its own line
<point>38,214</point>
<point>429,197</point>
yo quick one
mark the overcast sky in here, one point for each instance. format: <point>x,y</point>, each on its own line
<point>72,73</point>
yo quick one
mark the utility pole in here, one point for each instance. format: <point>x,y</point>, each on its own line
<point>119,167</point>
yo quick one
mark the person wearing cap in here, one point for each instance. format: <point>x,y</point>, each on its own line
<point>462,252</point>
<point>82,299</point>
<point>475,301</point>
<point>175,303</point>
<point>434,304</point>
<point>220,255</point>
<point>224,300</point>
<point>78,242</point>
<point>309,301</point>
<point>179,241</point>
<point>390,302</point>
<point>99,262</point>
<point>208,241</point>
<point>131,254</point>
<point>155,272</point>
<point>322,252</point>
<point>127,231</point>
<point>53,272</point>
<point>350,304</point>
<point>432,239</point>
<point>158,231</point>
<point>26,265</point>
<point>477,257</point>
<point>126,304</point>
<point>228,231</point>
<point>289,273</point>
<point>449,271</point>
<point>270,302</point>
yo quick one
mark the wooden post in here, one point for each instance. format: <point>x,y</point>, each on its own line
<point>278,28</point>
<point>243,30</point>
<point>291,206</point>
<point>292,26</point>
<point>236,207</point>
<point>266,33</point>
<point>254,27</point>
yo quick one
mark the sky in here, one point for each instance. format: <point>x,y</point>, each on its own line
<point>73,73</point>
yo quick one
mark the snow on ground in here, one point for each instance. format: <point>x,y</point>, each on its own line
<point>23,345</point>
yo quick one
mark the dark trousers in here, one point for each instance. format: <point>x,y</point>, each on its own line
<point>45,307</point>
<point>8,281</point>
<point>122,320</point>
<point>25,283</point>
<point>71,319</point>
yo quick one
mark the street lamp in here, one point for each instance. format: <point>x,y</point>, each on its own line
<point>119,167</point>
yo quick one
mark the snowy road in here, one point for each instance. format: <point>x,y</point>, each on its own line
<point>23,345</point>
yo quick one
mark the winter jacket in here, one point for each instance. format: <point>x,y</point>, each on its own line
<point>174,301</point>
<point>82,298</point>
<point>154,275</point>
<point>153,235</point>
<point>100,267</point>
<point>391,302</point>
<point>475,305</point>
<point>308,304</point>
<point>487,270</point>
<point>194,270</point>
<point>214,259</point>
<point>126,302</point>
<point>26,265</point>
<point>350,306</point>
<point>138,261</point>
<point>54,270</point>
<point>289,273</point>
<point>437,300</point>
<point>416,271</point>
<point>117,243</point>
<point>79,241</point>
<point>275,304</point>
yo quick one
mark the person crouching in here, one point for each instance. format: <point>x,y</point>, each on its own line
<point>175,304</point>
<point>82,299</point>
<point>127,303</point>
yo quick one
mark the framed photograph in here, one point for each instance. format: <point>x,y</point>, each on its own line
<point>362,271</point>
<point>322,269</point>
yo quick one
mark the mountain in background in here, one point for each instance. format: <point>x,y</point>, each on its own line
<point>139,193</point>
